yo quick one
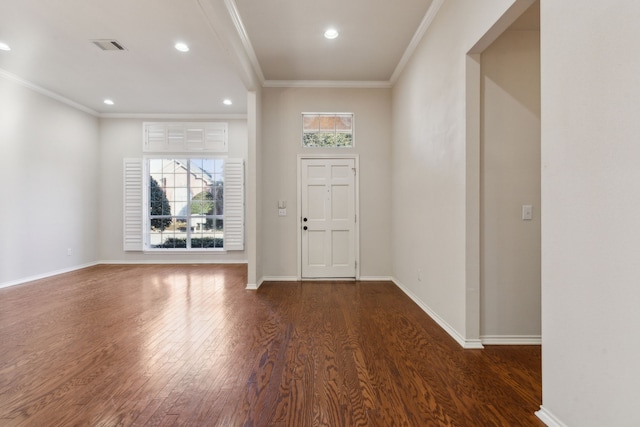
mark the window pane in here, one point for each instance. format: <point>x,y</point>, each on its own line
<point>181,201</point>
<point>203,236</point>
<point>158,203</point>
<point>218,197</point>
<point>310,122</point>
<point>197,163</point>
<point>171,237</point>
<point>219,165</point>
<point>344,122</point>
<point>202,203</point>
<point>155,166</point>
<point>207,166</point>
<point>174,242</point>
<point>344,140</point>
<point>308,140</point>
<point>327,123</point>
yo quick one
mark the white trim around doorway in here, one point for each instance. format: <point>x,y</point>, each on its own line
<point>356,159</point>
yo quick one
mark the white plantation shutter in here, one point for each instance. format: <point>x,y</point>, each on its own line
<point>133,199</point>
<point>194,138</point>
<point>179,137</point>
<point>234,204</point>
<point>154,136</point>
<point>175,138</point>
<point>215,137</point>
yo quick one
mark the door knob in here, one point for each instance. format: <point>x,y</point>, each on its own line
<point>304,219</point>
<point>304,228</point>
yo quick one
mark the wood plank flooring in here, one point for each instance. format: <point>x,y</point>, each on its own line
<point>187,345</point>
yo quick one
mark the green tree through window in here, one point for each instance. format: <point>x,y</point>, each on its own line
<point>202,203</point>
<point>159,206</point>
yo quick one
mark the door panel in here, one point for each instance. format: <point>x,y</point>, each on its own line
<point>340,248</point>
<point>340,171</point>
<point>316,209</point>
<point>315,255</point>
<point>328,218</point>
<point>340,202</point>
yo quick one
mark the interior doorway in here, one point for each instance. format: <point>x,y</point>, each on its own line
<point>502,293</point>
<point>510,181</point>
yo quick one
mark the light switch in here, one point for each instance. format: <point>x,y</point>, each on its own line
<point>527,212</point>
<point>282,212</point>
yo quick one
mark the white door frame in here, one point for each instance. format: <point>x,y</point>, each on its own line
<point>356,160</point>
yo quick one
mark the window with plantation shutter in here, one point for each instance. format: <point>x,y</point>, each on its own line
<point>184,204</point>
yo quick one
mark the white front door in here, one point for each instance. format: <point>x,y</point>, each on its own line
<point>328,218</point>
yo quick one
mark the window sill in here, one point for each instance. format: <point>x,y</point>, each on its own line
<point>184,252</point>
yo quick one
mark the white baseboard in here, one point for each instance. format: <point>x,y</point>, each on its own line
<point>253,286</point>
<point>46,275</point>
<point>511,339</point>
<point>171,261</point>
<point>472,344</point>
<point>548,418</point>
<point>376,279</point>
<point>465,343</point>
<point>296,279</point>
<point>280,279</point>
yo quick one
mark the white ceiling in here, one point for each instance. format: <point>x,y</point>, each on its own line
<point>281,40</point>
<point>287,36</point>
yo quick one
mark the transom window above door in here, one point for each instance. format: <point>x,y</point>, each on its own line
<point>327,129</point>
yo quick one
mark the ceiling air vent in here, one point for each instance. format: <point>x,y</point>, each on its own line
<point>108,44</point>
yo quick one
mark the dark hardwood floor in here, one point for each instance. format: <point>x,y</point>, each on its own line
<point>187,345</point>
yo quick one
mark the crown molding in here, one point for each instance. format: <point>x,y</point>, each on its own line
<point>354,84</point>
<point>170,116</point>
<point>417,37</point>
<point>164,116</point>
<point>34,87</point>
<point>244,37</point>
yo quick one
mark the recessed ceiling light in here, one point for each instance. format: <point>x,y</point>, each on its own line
<point>108,101</point>
<point>4,46</point>
<point>331,33</point>
<point>182,47</point>
<point>227,102</point>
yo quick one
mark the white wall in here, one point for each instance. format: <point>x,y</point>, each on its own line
<point>281,144</point>
<point>253,223</point>
<point>590,221</point>
<point>49,191</point>
<point>121,138</point>
<point>510,178</point>
<point>429,162</point>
